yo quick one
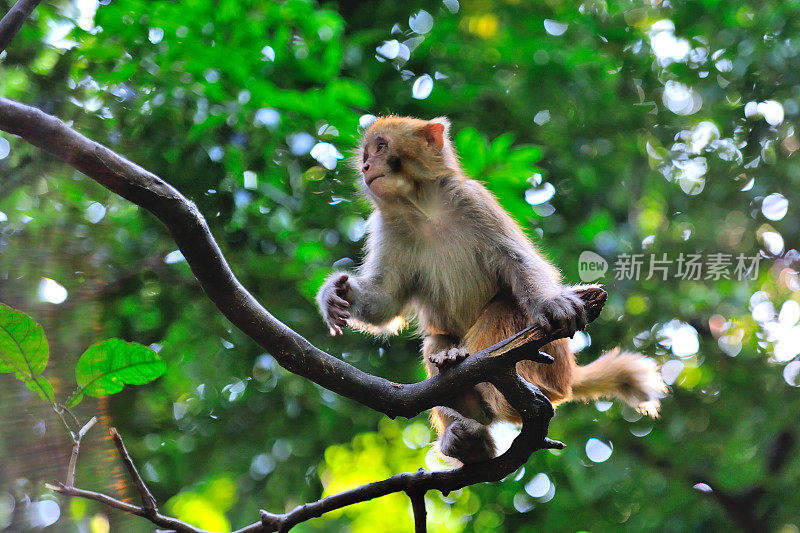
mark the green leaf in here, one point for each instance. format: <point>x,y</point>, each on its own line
<point>75,398</point>
<point>23,346</point>
<point>106,367</point>
<point>42,387</point>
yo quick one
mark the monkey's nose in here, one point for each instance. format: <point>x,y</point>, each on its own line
<point>365,168</point>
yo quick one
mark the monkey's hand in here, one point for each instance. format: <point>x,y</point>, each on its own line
<point>564,311</point>
<point>468,441</point>
<point>334,299</point>
<point>447,358</point>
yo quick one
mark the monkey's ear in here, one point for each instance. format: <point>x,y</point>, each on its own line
<point>434,134</point>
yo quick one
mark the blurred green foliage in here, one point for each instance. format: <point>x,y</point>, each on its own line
<point>612,126</point>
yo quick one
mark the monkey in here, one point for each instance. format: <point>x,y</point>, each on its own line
<point>441,250</point>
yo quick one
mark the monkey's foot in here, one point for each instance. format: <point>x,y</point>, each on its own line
<point>468,441</point>
<point>565,311</point>
<point>447,358</point>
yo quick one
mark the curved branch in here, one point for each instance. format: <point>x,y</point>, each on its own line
<point>536,413</point>
<point>193,237</point>
<point>13,20</point>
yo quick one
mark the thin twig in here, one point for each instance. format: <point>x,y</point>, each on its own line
<point>167,522</point>
<point>73,461</point>
<point>76,447</point>
<point>148,501</point>
<point>14,19</point>
<point>74,418</point>
<point>61,410</point>
<point>86,427</point>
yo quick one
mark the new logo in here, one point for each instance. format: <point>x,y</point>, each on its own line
<point>591,266</point>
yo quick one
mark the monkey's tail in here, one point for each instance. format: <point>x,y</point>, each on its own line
<point>631,377</point>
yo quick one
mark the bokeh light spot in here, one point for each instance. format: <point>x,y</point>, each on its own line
<point>598,451</point>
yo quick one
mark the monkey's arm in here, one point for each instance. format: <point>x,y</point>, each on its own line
<point>358,301</point>
<point>531,279</point>
<point>536,285</point>
<point>374,308</point>
<point>370,299</point>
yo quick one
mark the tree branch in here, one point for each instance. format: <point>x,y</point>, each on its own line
<point>168,522</point>
<point>148,501</point>
<point>14,19</point>
<point>76,448</point>
<point>420,514</point>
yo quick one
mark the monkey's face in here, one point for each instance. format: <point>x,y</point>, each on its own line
<point>398,155</point>
<point>382,168</point>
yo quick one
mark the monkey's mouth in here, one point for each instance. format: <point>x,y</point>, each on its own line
<point>369,179</point>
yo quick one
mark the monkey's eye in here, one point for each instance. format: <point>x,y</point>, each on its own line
<point>381,146</point>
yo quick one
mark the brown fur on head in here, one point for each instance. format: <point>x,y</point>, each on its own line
<point>398,155</point>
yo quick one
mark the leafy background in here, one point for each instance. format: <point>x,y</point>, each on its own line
<point>611,126</point>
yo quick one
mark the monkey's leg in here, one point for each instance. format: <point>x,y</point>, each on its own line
<point>500,319</point>
<point>554,380</point>
<point>463,433</point>
<point>464,439</point>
